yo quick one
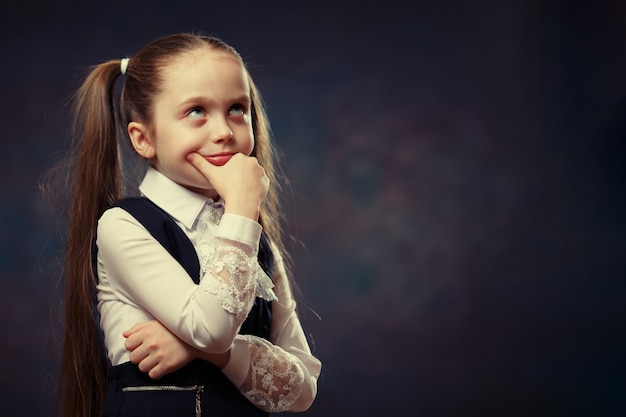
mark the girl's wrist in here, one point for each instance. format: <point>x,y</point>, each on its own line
<point>246,210</point>
<point>220,360</point>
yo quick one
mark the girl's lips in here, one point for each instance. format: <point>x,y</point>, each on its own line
<point>219,160</point>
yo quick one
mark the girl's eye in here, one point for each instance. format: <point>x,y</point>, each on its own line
<point>237,110</point>
<point>196,113</point>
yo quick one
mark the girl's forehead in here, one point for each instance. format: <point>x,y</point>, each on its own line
<point>204,72</point>
<point>199,57</point>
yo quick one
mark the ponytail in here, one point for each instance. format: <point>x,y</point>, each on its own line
<point>95,183</point>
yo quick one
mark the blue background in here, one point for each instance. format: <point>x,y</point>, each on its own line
<point>457,191</point>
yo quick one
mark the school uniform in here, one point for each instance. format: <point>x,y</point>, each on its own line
<point>207,279</point>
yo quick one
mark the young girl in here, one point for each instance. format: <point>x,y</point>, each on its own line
<point>178,302</point>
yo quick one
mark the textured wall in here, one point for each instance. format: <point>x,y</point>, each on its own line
<point>457,183</point>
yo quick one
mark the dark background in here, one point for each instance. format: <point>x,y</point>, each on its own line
<point>457,183</point>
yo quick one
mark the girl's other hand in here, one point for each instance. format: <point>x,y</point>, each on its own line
<point>241,182</point>
<point>158,352</point>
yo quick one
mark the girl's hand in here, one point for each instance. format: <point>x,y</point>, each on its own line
<point>241,182</point>
<point>158,352</point>
<point>155,349</point>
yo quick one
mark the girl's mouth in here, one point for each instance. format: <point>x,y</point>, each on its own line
<point>219,159</point>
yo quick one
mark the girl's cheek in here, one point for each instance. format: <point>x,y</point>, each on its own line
<point>193,146</point>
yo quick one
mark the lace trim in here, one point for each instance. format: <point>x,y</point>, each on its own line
<point>274,381</point>
<point>234,277</point>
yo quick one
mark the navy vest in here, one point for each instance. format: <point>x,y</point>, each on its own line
<point>199,388</point>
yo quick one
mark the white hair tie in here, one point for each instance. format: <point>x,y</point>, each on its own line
<point>124,65</point>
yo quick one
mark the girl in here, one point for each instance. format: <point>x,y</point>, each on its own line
<point>194,313</point>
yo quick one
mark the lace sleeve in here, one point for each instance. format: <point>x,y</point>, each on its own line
<point>234,275</point>
<point>275,377</point>
<point>280,374</point>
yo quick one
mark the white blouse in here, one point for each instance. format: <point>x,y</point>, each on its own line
<point>140,281</point>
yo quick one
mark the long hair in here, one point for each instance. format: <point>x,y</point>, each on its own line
<point>96,182</point>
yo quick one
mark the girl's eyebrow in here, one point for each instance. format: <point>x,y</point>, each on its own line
<point>205,100</point>
<point>192,100</point>
<point>242,98</point>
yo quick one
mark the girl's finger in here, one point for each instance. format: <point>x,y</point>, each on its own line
<point>137,327</point>
<point>147,364</point>
<point>200,163</point>
<point>133,341</point>
<point>156,372</point>
<point>138,355</point>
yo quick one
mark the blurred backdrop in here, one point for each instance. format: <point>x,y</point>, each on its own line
<point>456,198</point>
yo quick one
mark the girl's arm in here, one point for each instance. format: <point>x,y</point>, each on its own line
<point>281,375</point>
<point>158,352</point>
<point>277,376</point>
<point>135,269</point>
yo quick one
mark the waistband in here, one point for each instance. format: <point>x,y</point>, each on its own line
<point>130,393</point>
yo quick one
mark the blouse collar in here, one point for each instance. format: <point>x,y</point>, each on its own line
<point>182,204</point>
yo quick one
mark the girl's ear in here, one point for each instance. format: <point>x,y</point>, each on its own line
<point>141,140</point>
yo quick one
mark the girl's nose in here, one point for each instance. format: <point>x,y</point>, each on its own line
<point>221,132</point>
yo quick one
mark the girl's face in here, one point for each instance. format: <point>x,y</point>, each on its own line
<point>204,107</point>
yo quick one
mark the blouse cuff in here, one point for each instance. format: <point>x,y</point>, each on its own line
<point>240,229</point>
<point>237,368</point>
